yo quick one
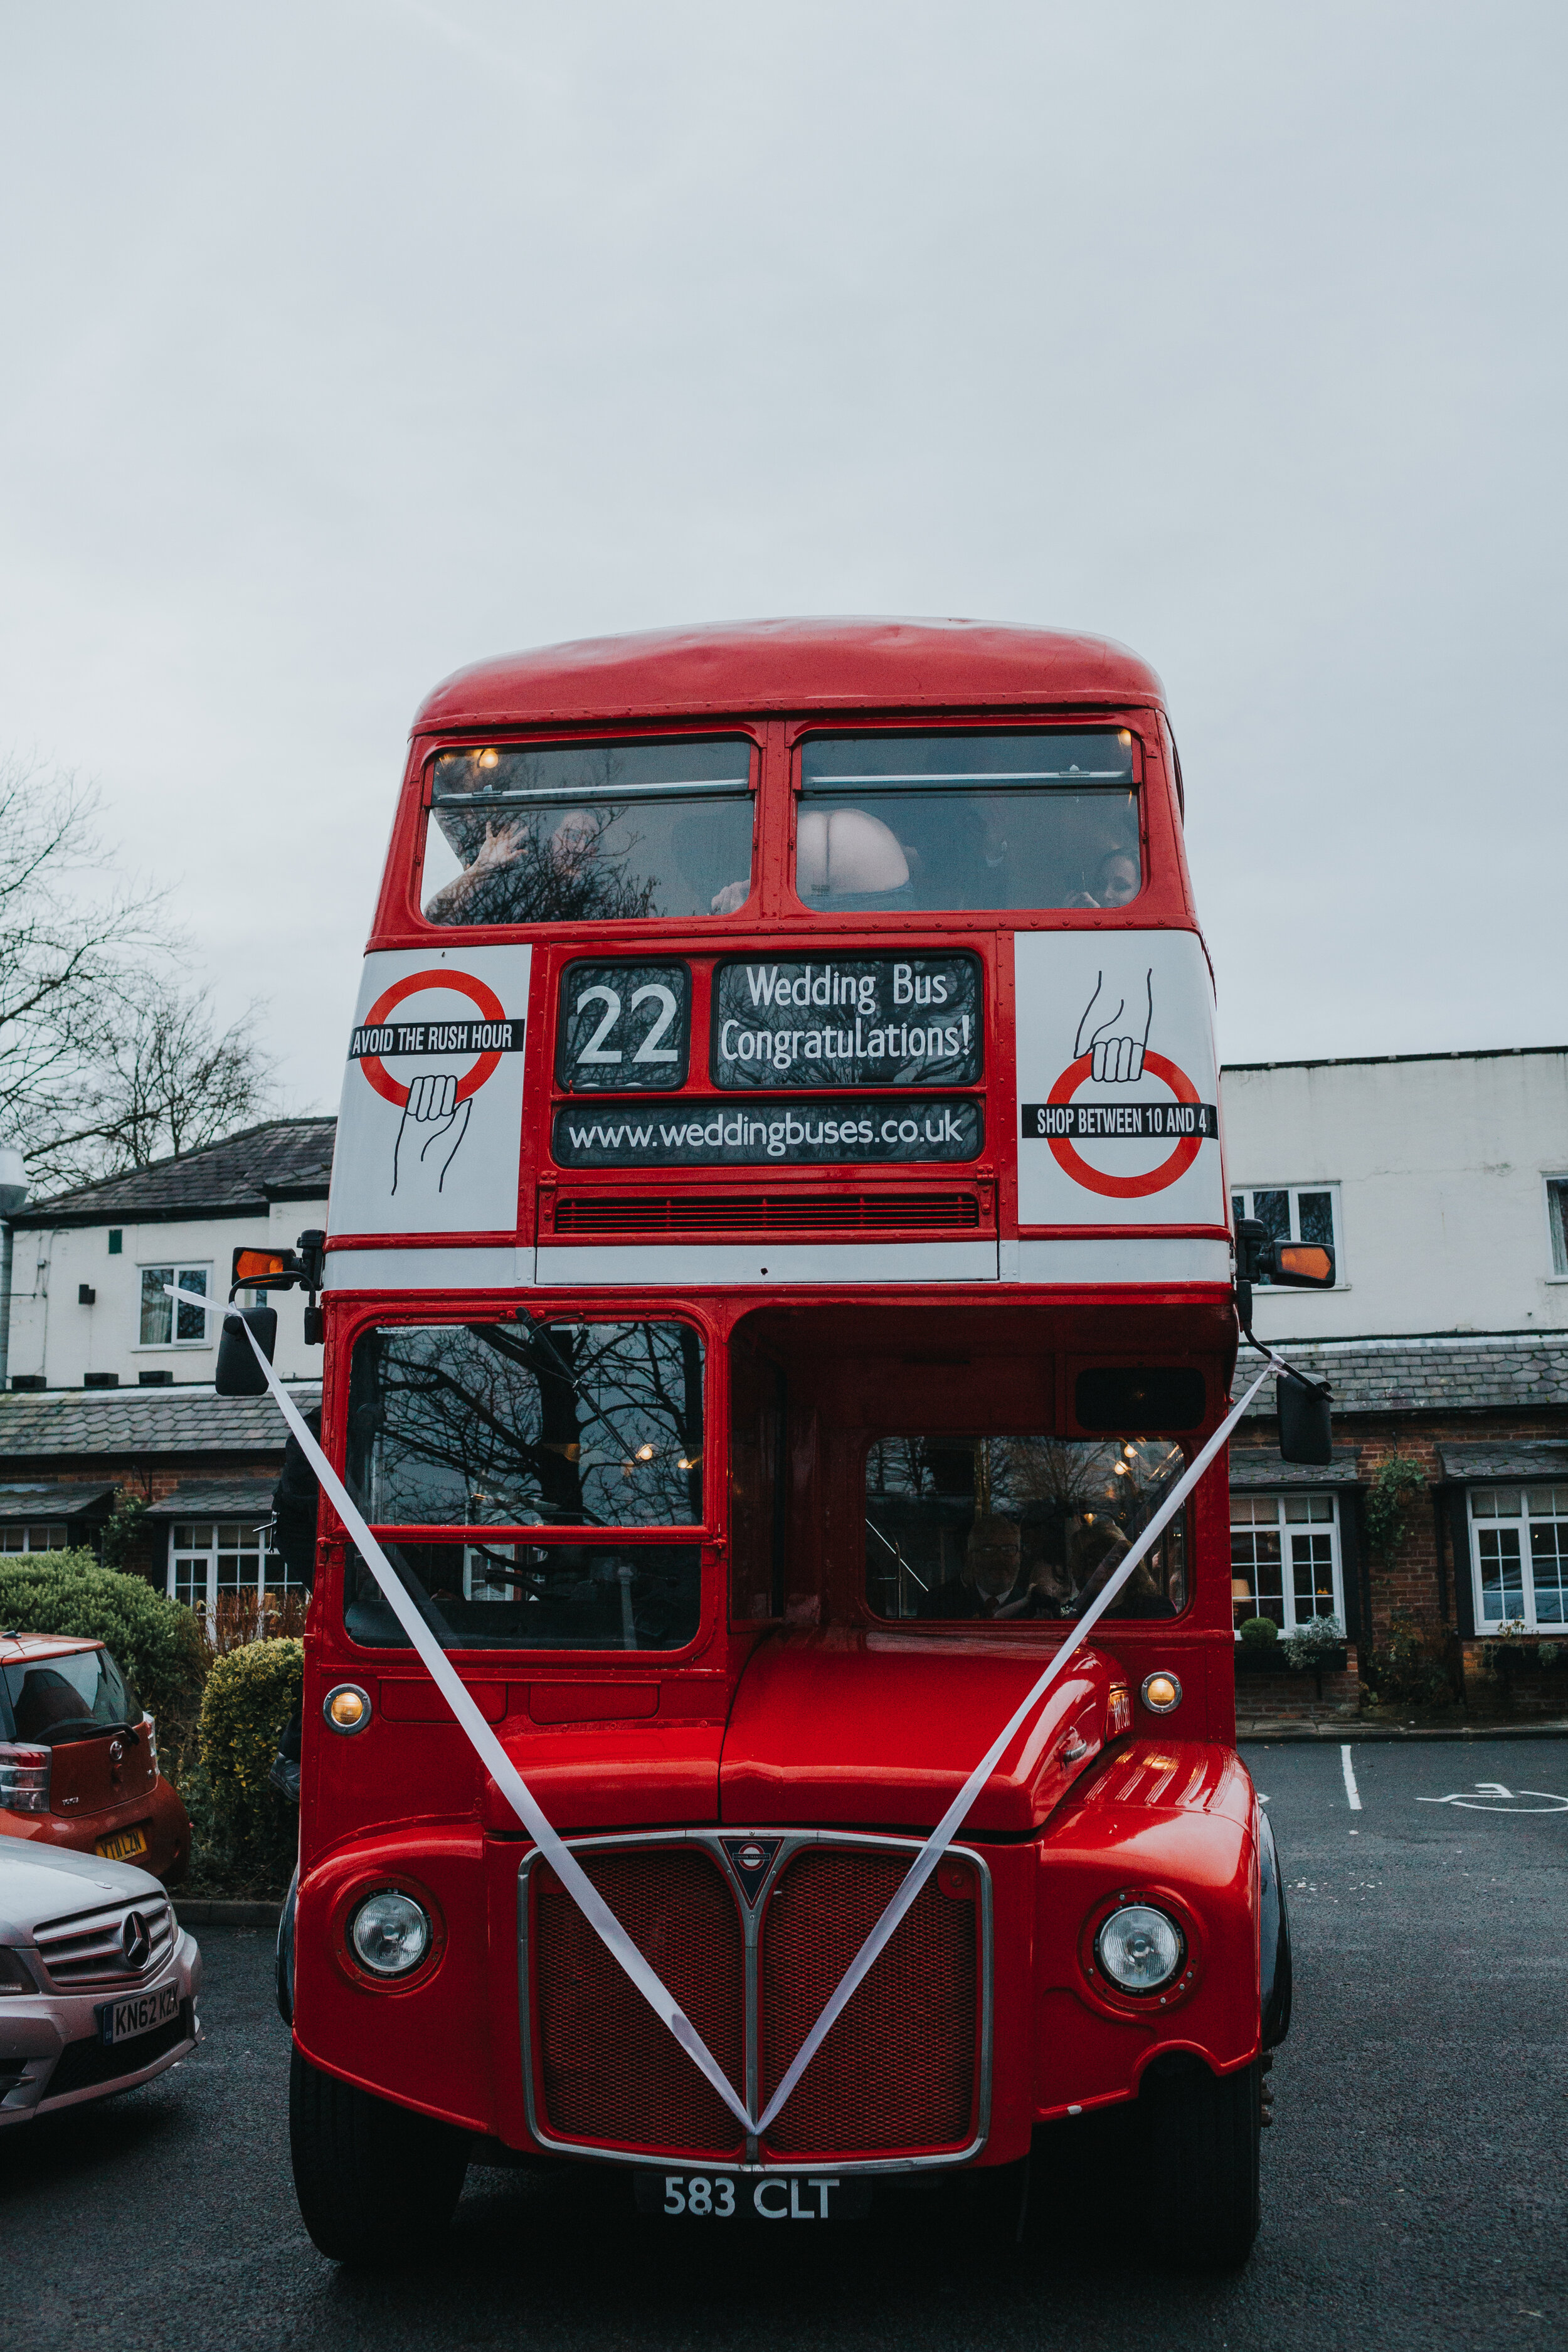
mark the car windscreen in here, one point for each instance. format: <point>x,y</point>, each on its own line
<point>1013,1529</point>
<point>589,832</point>
<point>568,1424</point>
<point>78,1694</point>
<point>955,822</point>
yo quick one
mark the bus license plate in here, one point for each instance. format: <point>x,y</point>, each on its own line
<point>123,2021</point>
<point>760,2196</point>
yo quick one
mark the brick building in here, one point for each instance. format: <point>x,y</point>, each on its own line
<point>1442,1182</point>
<point>111,1393</point>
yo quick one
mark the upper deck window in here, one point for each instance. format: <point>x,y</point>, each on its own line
<point>957,821</point>
<point>580,833</point>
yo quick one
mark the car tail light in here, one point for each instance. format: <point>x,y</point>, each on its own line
<point>24,1777</point>
<point>150,1733</point>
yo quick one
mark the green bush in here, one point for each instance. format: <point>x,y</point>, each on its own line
<point>246,1832</point>
<point>156,1641</point>
<point>1403,1673</point>
<point>1262,1630</point>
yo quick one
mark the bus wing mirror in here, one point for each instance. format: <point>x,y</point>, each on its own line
<point>238,1373</point>
<point>1303,1266</point>
<point>1305,1424</point>
<point>1297,1266</point>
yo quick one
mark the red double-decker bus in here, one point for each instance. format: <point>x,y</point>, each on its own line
<point>778,1268</point>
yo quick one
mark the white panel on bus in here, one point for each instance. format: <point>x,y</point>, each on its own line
<point>430,1130</point>
<point>1118,1081</point>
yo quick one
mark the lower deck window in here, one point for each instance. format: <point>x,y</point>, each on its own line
<point>1519,1556</point>
<point>1285,1558</point>
<point>1014,1528</point>
<point>520,1596</point>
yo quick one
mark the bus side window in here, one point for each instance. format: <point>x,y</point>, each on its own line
<point>758,1495</point>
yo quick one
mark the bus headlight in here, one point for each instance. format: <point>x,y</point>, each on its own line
<point>390,1933</point>
<point>1140,1949</point>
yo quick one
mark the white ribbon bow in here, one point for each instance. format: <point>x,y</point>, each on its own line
<point>570,1872</point>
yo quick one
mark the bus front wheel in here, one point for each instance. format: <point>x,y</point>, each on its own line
<point>376,2184</point>
<point>1202,2135</point>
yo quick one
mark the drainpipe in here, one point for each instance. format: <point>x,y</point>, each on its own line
<point>13,1196</point>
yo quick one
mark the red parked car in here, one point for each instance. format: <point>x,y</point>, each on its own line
<point>79,1758</point>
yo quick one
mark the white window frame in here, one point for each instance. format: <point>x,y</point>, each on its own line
<point>1284,1527</point>
<point>55,1534</point>
<point>176,1274</point>
<point>1554,1193</point>
<point>1531,1503</point>
<point>271,1575</point>
<point>1248,1193</point>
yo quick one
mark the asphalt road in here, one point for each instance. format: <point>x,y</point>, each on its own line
<point>1413,2184</point>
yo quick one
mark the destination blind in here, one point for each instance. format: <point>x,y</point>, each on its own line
<point>855,1021</point>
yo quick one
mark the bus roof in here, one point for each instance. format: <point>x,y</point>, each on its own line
<point>800,665</point>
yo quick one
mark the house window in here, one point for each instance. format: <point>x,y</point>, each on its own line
<point>1519,1556</point>
<point>208,1557</point>
<point>1285,1558</point>
<point>1296,1212</point>
<point>1557,1218</point>
<point>167,1322</point>
<point>53,1537</point>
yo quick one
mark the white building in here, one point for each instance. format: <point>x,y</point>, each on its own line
<point>90,1268</point>
<point>1441,1179</point>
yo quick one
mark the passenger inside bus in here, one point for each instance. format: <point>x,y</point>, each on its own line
<point>957,821</point>
<point>1012,1528</point>
<point>589,832</point>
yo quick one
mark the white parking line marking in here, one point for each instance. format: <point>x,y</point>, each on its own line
<point>1352,1792</point>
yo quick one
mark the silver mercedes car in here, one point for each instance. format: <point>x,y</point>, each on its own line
<point>98,1979</point>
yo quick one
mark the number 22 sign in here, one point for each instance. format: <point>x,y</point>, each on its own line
<point>623,1027</point>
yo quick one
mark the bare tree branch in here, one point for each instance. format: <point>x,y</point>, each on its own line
<point>106,1061</point>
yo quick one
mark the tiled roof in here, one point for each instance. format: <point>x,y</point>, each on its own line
<point>1259,1466</point>
<point>1507,1458</point>
<point>1516,1371</point>
<point>107,1421</point>
<point>39,1499</point>
<point>216,1499</point>
<point>286,1159</point>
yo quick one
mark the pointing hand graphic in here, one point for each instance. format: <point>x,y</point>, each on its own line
<point>1115,1033</point>
<point>432,1106</point>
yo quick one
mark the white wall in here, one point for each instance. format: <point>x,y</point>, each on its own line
<point>1442,1164</point>
<point>52,1333</point>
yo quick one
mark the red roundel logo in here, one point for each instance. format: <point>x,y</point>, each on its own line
<point>1154,1180</point>
<point>459,984</point>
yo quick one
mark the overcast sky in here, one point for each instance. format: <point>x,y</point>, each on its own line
<point>349,343</point>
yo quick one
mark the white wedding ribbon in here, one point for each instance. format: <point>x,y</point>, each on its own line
<point>589,1901</point>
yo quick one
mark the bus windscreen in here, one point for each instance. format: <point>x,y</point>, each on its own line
<point>582,832</point>
<point>527,1424</point>
<point>952,822</point>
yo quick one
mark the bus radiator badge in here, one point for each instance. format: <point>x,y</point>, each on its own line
<point>750,1859</point>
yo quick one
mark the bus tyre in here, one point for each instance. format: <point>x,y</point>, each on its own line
<point>1201,2136</point>
<point>376,2184</point>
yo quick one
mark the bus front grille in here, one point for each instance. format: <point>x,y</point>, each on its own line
<point>769,1212</point>
<point>902,2076</point>
<point>898,2069</point>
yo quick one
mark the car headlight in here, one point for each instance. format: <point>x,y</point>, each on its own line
<point>390,1933</point>
<point>1140,1949</point>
